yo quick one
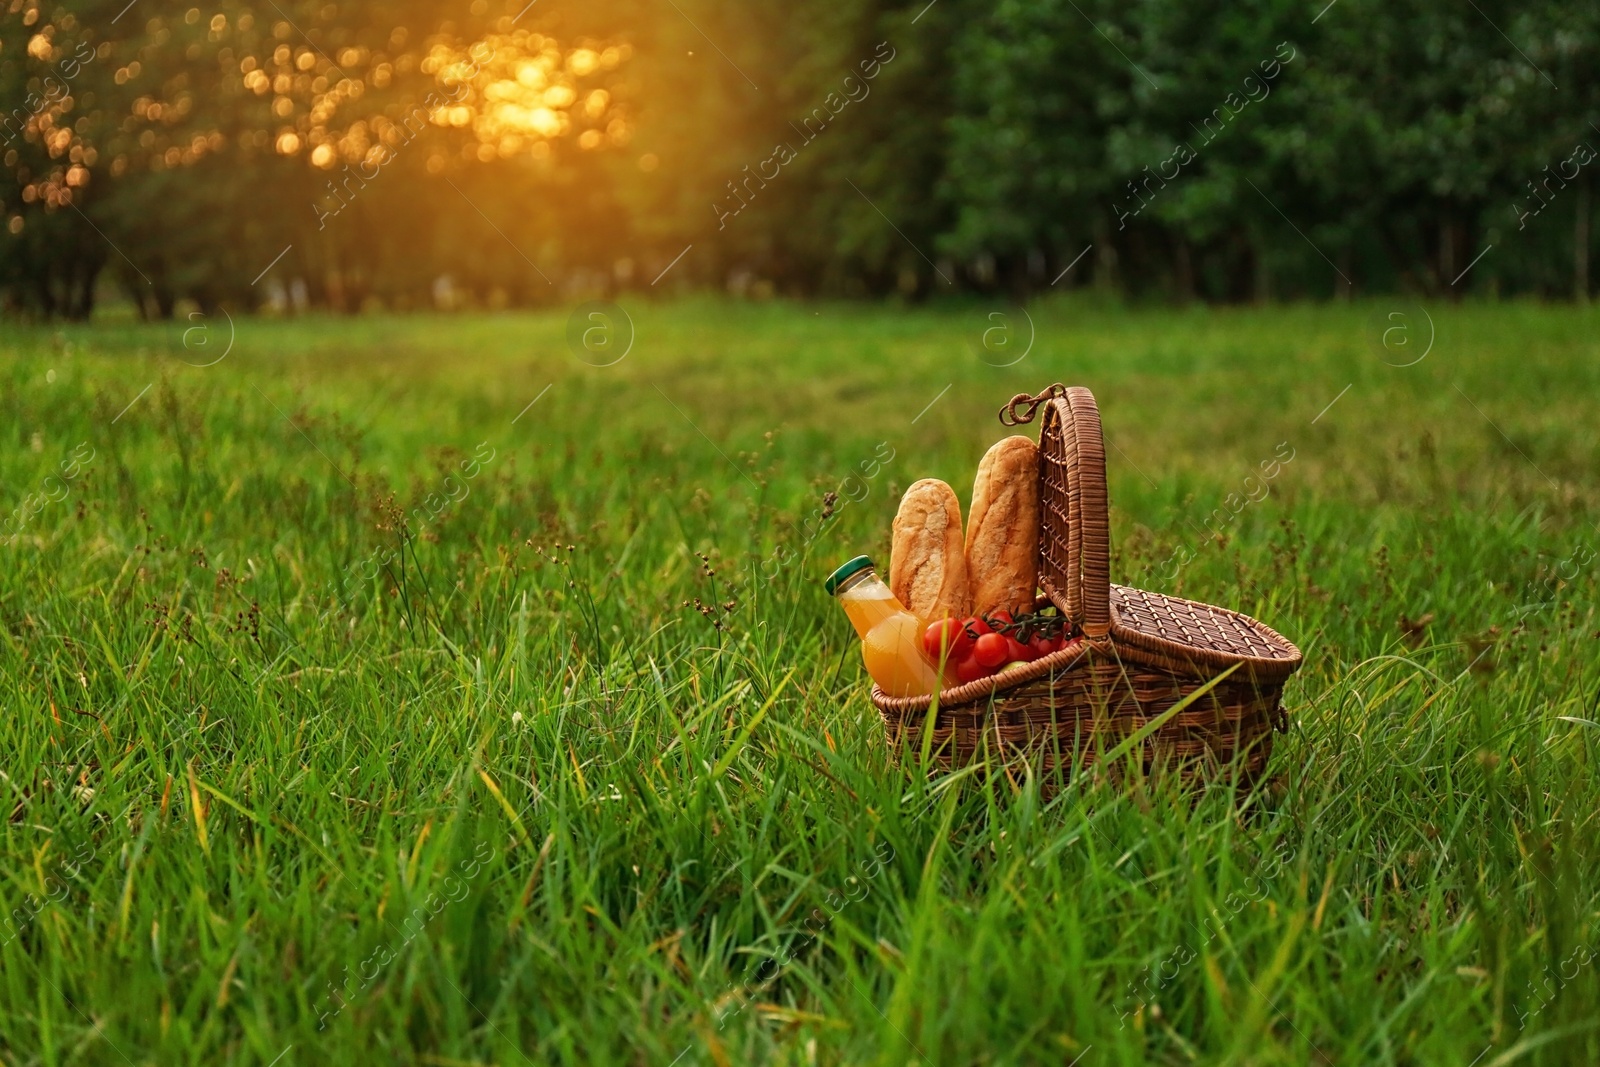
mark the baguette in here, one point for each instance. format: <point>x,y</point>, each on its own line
<point>1003,528</point>
<point>927,562</point>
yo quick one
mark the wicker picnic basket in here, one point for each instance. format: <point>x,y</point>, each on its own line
<point>1142,653</point>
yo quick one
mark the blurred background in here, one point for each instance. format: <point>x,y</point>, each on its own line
<point>357,156</point>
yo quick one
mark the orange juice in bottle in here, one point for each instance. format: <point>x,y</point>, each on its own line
<point>891,637</point>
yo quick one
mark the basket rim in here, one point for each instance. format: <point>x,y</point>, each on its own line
<point>1199,664</point>
<point>973,693</point>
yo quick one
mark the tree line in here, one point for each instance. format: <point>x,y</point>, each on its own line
<point>357,154</point>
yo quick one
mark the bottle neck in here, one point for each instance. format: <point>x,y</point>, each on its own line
<point>861,577</point>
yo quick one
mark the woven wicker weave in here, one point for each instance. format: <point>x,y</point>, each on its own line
<point>1141,653</point>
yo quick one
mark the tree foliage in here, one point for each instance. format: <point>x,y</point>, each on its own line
<point>346,153</point>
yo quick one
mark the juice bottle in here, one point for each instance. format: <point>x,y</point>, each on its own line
<point>891,637</point>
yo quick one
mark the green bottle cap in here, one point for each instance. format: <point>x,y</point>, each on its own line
<point>855,566</point>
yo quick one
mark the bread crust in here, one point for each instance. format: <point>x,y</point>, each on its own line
<point>1003,528</point>
<point>927,560</point>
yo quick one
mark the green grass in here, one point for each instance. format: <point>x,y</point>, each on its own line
<point>507,796</point>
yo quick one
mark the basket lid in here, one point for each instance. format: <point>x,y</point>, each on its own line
<point>1074,533</point>
<point>1075,557</point>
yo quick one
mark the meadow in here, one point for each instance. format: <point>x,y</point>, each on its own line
<point>410,690</point>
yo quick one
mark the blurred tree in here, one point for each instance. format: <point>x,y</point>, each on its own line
<point>1040,87</point>
<point>359,153</point>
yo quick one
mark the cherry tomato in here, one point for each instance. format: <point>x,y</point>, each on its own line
<point>975,627</point>
<point>970,670</point>
<point>1016,650</point>
<point>990,650</point>
<point>946,640</point>
<point>1002,617</point>
<point>1042,646</point>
